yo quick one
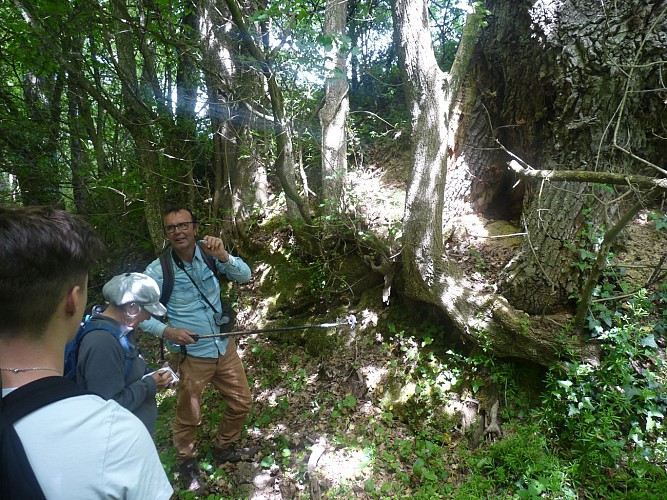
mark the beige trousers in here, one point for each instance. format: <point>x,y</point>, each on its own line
<point>226,373</point>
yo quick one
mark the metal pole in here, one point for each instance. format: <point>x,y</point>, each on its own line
<point>350,321</point>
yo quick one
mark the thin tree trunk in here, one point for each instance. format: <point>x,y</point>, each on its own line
<point>429,105</point>
<point>40,178</point>
<point>76,121</point>
<point>297,209</point>
<point>232,176</point>
<point>183,138</point>
<point>334,111</point>
<point>142,135</point>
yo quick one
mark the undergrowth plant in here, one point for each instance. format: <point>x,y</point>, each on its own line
<point>577,430</point>
<point>608,418</point>
<point>522,465</point>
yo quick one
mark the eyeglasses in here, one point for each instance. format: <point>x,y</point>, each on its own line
<point>181,226</point>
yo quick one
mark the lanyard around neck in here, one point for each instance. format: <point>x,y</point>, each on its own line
<point>181,266</point>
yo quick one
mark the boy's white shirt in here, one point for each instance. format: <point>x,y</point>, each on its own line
<point>85,447</point>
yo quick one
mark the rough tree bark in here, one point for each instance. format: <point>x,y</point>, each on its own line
<point>599,72</point>
<point>553,84</point>
<point>429,275</point>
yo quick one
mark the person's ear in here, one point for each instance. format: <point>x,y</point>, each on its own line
<point>75,296</point>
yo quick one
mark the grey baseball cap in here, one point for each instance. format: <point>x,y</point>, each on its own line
<point>134,288</point>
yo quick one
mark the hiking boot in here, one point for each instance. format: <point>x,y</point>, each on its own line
<point>190,478</point>
<point>232,454</point>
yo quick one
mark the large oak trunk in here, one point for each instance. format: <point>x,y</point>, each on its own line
<point>547,86</point>
<point>553,85</point>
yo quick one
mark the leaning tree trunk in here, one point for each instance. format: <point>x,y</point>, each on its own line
<point>221,75</point>
<point>297,208</point>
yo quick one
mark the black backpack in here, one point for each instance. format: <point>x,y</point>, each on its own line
<point>17,479</point>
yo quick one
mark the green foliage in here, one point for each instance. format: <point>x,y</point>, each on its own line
<point>420,465</point>
<point>595,431</point>
<point>588,240</point>
<point>598,429</point>
<point>610,417</point>
<point>520,465</point>
<point>379,112</point>
<point>660,219</point>
<point>447,25</point>
<point>480,264</point>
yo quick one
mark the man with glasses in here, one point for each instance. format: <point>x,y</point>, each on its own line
<point>194,307</point>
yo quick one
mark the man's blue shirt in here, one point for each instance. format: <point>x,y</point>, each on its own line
<point>188,309</point>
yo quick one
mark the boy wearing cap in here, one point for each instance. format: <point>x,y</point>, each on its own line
<point>80,447</point>
<point>110,364</point>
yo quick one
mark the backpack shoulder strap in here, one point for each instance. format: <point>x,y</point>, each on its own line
<point>17,479</point>
<point>167,276</point>
<point>167,262</point>
<point>122,340</point>
<point>72,350</point>
<point>91,324</point>
<point>35,395</point>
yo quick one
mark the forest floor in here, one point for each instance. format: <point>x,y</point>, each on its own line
<point>395,407</point>
<point>336,412</point>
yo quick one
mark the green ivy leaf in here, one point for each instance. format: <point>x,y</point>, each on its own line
<point>649,341</point>
<point>350,401</point>
<point>418,466</point>
<point>430,475</point>
<point>535,488</point>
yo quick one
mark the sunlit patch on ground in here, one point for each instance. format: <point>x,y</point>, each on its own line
<point>379,203</point>
<point>367,318</point>
<point>345,464</point>
<point>160,397</point>
<point>374,376</point>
